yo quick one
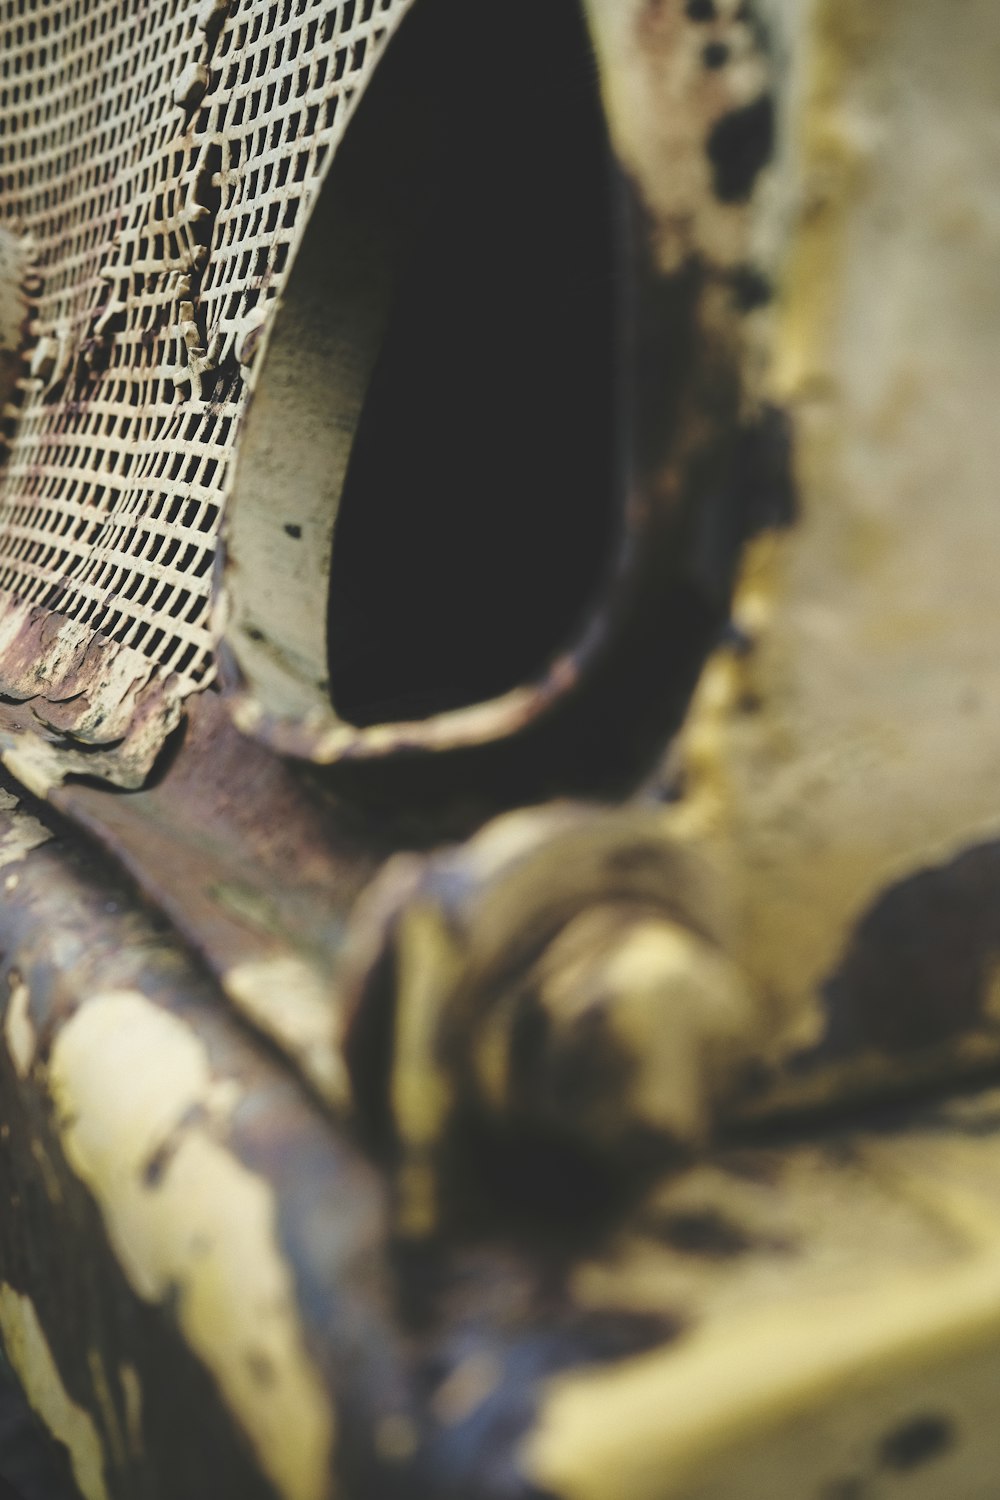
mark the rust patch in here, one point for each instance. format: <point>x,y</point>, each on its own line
<point>54,721</point>
<point>257,876</point>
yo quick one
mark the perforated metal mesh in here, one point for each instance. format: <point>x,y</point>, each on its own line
<point>157,155</point>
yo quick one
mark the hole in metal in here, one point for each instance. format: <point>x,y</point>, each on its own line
<point>478,515</point>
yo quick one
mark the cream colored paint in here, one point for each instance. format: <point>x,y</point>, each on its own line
<point>19,1030</point>
<point>105,716</point>
<point>293,1004</point>
<point>873,748</point>
<point>109,1412</point>
<point>621,962</point>
<point>16,250</point>
<point>131,1386</point>
<point>131,1081</point>
<point>28,1350</point>
<point>871,752</point>
<point>421,1096</point>
<point>658,1427</point>
<point>428,965</point>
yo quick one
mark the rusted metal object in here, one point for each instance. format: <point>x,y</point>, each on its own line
<point>256,874</point>
<point>188,1234</point>
<point>287,655</point>
<point>467,1071</point>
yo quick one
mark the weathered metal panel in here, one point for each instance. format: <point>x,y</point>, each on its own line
<point>394,1126</point>
<point>187,1241</point>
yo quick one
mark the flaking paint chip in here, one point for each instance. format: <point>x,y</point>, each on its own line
<point>190,87</point>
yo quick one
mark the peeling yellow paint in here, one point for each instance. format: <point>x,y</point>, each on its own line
<point>991,992</point>
<point>19,1031</point>
<point>866,672</point>
<point>467,1387</point>
<point>292,1004</point>
<point>396,1438</point>
<point>28,1350</point>
<point>134,1093</point>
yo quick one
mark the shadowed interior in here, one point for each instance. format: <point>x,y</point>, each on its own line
<point>478,516</point>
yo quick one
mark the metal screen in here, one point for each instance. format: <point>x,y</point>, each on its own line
<point>156,159</point>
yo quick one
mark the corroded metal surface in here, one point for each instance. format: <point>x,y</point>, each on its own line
<point>158,160</point>
<point>206,1240</point>
<point>472,1109</point>
<point>219,1262</point>
<point>257,877</point>
<point>684,265</point>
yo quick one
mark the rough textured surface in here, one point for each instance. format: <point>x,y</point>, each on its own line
<point>806,1310</point>
<point>158,160</point>
<point>557,1216</point>
<point>182,1221</point>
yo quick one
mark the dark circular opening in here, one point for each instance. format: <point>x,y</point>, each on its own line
<point>479,512</point>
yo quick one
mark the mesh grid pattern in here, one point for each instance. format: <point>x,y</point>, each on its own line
<point>157,155</point>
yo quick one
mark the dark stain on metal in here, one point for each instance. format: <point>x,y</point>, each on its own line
<point>740,147</point>
<point>917,1442</point>
<point>706,1233</point>
<point>917,971</point>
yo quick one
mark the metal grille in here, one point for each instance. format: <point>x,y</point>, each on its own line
<point>157,156</point>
